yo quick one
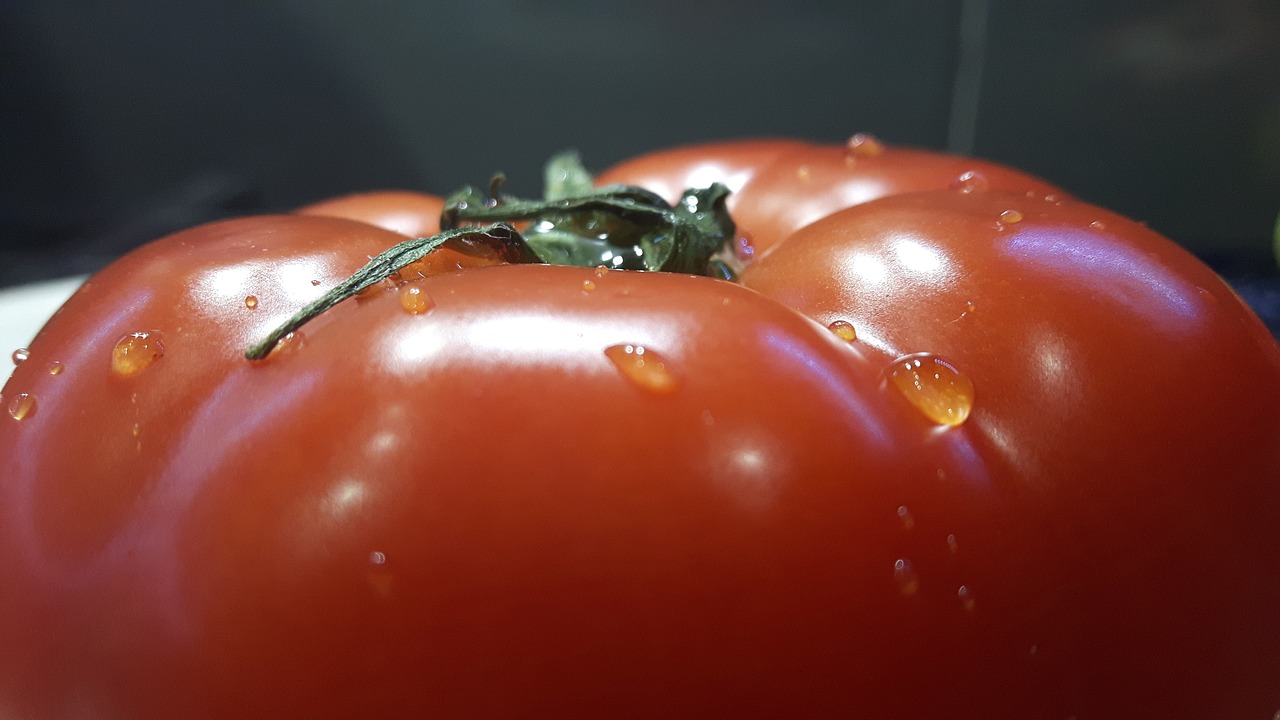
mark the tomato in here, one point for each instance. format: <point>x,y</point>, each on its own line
<point>521,490</point>
<point>780,186</point>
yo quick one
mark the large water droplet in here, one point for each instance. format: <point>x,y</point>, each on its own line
<point>643,367</point>
<point>971,182</point>
<point>251,301</point>
<point>22,406</point>
<point>20,356</point>
<point>934,386</point>
<point>844,330</point>
<point>1009,217</point>
<point>864,145</point>
<point>904,573</point>
<point>136,352</point>
<point>414,301</point>
<point>56,368</point>
<point>588,286</point>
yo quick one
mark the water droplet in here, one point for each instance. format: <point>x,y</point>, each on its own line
<point>803,173</point>
<point>1036,648</point>
<point>1098,225</point>
<point>56,368</point>
<point>315,283</point>
<point>743,248</point>
<point>251,301</point>
<point>908,520</point>
<point>934,386</point>
<point>414,301</point>
<point>136,352</point>
<point>20,356</point>
<point>951,544</point>
<point>22,406</point>
<point>1052,198</point>
<point>904,573</point>
<point>844,330</point>
<point>588,286</point>
<point>643,367</point>
<point>136,430</point>
<point>971,182</point>
<point>601,271</point>
<point>965,595</point>
<point>288,344</point>
<point>1009,217</point>
<point>864,145</point>
<point>377,558</point>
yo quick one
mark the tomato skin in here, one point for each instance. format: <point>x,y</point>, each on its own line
<point>603,556</point>
<point>478,511</point>
<point>779,186</point>
<point>1113,372</point>
<point>401,211</point>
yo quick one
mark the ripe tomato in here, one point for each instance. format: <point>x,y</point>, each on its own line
<point>539,491</point>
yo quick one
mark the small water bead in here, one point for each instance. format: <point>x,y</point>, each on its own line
<point>136,352</point>
<point>951,544</point>
<point>414,301</point>
<point>904,574</point>
<point>1009,217</point>
<point>136,430</point>
<point>844,330</point>
<point>864,145</point>
<point>251,302</point>
<point>601,271</point>
<point>315,283</point>
<point>377,558</point>
<point>904,515</point>
<point>22,406</point>
<point>645,368</point>
<point>803,173</point>
<point>965,595</point>
<point>588,286</point>
<point>1098,225</point>
<point>743,248</point>
<point>20,356</point>
<point>56,368</point>
<point>934,386</point>
<point>971,182</point>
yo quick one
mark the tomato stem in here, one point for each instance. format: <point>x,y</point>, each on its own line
<point>499,235</point>
<point>575,223</point>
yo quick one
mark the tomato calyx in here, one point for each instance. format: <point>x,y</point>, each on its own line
<point>621,227</point>
<point>575,223</point>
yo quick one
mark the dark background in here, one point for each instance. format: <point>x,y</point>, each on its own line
<point>123,121</point>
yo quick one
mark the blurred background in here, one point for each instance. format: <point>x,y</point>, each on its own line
<point>123,121</point>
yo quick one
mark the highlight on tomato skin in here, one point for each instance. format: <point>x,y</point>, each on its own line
<point>967,451</point>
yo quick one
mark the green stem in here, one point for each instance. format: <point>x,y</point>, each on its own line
<point>574,224</point>
<point>383,265</point>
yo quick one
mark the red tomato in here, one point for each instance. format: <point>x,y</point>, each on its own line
<point>537,491</point>
<point>779,186</point>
